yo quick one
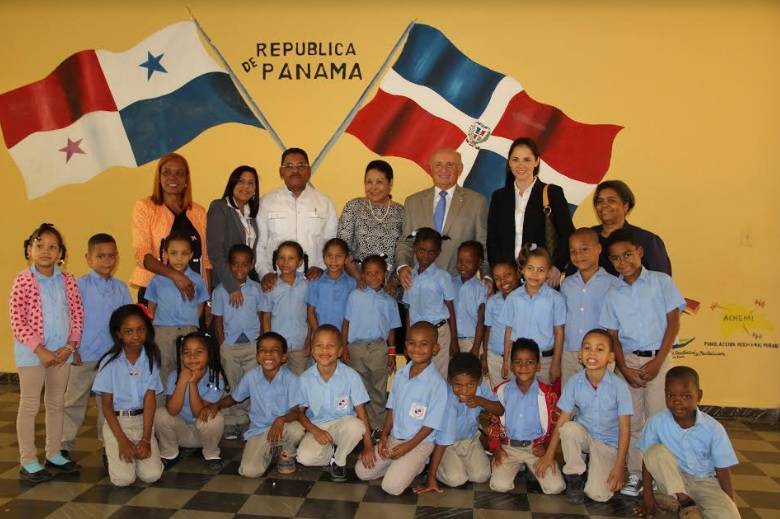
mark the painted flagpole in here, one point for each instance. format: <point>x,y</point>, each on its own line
<point>241,88</point>
<point>361,99</point>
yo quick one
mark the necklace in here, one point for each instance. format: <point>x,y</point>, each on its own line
<point>371,210</point>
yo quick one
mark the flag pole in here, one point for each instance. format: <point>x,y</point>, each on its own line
<point>258,113</point>
<point>359,102</point>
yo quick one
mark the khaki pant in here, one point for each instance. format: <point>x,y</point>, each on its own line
<point>369,359</point>
<point>503,479</point>
<point>442,359</point>
<point>712,501</point>
<point>346,432</point>
<point>76,399</point>
<point>544,371</point>
<point>259,452</point>
<point>465,344</point>
<point>165,337</point>
<point>173,432</point>
<point>495,362</point>
<point>570,365</point>
<point>576,440</point>
<point>32,380</point>
<point>121,472</point>
<point>398,474</point>
<point>463,461</point>
<point>298,361</point>
<point>646,401</point>
<point>237,360</point>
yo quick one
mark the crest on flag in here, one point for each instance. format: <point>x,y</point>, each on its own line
<point>478,133</point>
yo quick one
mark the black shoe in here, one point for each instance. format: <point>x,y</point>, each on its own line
<point>70,467</point>
<point>575,488</point>
<point>65,454</point>
<point>35,477</point>
<point>169,463</point>
<point>215,465</point>
<point>337,474</point>
<point>532,484</point>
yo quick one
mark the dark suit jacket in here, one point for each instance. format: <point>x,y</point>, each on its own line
<point>501,223</point>
<point>223,230</point>
<point>655,256</point>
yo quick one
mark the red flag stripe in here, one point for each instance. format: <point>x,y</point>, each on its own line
<point>578,150</point>
<point>397,126</point>
<point>76,87</point>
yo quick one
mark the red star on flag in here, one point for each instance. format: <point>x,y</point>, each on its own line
<point>71,148</point>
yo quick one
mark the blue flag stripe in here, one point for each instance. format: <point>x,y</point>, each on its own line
<point>487,174</point>
<point>158,126</point>
<point>431,60</point>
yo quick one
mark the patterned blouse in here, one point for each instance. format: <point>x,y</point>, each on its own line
<point>371,230</point>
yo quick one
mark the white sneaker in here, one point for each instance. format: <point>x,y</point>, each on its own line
<point>633,487</point>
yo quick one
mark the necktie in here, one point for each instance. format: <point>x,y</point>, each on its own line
<point>438,213</point>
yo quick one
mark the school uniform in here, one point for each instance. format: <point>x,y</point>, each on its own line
<point>330,405</point>
<point>465,459</point>
<point>430,289</point>
<point>638,312</point>
<point>100,297</point>
<point>683,461</point>
<point>495,334</point>
<point>469,296</point>
<point>268,400</point>
<point>184,429</point>
<point>287,305</point>
<point>535,318</point>
<point>584,302</point>
<point>416,403</point>
<point>527,421</point>
<point>594,430</point>
<point>372,315</point>
<point>128,384</point>
<point>241,326</point>
<point>329,297</point>
<point>173,316</point>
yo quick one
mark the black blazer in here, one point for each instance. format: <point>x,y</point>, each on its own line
<point>501,223</point>
<point>223,230</point>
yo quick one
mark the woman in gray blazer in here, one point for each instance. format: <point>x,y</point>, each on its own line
<point>231,220</point>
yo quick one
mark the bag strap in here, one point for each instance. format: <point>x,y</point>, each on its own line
<point>546,201</point>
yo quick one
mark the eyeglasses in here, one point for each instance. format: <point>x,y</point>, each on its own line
<point>626,256</point>
<point>295,165</point>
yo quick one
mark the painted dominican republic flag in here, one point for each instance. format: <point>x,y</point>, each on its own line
<point>435,97</point>
<point>100,109</point>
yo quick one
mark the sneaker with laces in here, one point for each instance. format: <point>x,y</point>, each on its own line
<point>232,432</point>
<point>575,488</point>
<point>215,464</point>
<point>285,464</point>
<point>633,487</point>
<point>337,474</point>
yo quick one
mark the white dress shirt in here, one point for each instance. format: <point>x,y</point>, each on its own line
<point>448,202</point>
<point>521,201</point>
<point>309,219</point>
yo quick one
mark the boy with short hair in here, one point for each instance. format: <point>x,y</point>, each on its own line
<point>101,294</point>
<point>528,416</point>
<point>600,426</point>
<point>688,453</point>
<point>332,407</point>
<point>415,409</point>
<point>584,292</point>
<point>274,395</point>
<point>642,313</point>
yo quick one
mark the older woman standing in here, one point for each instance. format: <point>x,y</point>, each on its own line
<point>613,201</point>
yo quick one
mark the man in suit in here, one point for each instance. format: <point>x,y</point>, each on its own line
<point>460,212</point>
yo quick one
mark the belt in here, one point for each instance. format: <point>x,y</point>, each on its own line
<point>440,323</point>
<point>547,353</point>
<point>520,443</point>
<point>131,412</point>
<point>645,353</point>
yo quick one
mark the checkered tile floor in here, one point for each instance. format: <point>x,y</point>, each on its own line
<point>189,491</point>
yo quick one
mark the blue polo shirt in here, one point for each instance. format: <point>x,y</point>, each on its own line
<point>210,392</point>
<point>267,400</point>
<point>521,411</point>
<point>638,311</point>
<point>534,317</point>
<point>430,289</point>
<point>287,305</point>
<point>699,450</point>
<point>244,320</point>
<point>469,297</point>
<point>371,315</point>
<point>329,297</point>
<point>100,297</point>
<point>493,310</point>
<point>128,383</point>
<point>598,409</point>
<point>334,399</point>
<point>467,418</point>
<point>417,402</point>
<point>172,309</point>
<point>584,302</point>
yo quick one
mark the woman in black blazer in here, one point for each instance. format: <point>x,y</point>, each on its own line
<point>522,168</point>
<point>231,220</point>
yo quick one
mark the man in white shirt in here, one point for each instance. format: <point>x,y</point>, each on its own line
<point>297,212</point>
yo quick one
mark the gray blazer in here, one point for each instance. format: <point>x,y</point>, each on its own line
<point>466,220</point>
<point>224,230</point>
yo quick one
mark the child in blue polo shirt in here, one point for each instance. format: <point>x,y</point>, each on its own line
<point>507,278</point>
<point>334,407</point>
<point>326,296</point>
<point>128,379</point>
<point>274,394</point>
<point>237,327</point>
<point>535,311</point>
<point>101,294</point>
<point>370,321</point>
<point>642,312</point>
<point>432,295</point>
<point>415,409</point>
<point>688,453</point>
<point>173,315</point>
<point>470,298</point>
<point>599,426</point>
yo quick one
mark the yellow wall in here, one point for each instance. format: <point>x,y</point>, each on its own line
<point>695,85</point>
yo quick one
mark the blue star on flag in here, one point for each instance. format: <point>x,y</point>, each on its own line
<point>152,64</point>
